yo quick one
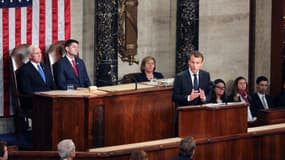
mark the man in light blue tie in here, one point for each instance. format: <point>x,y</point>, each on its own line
<point>33,76</point>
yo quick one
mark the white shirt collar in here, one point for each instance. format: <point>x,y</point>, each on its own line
<point>35,64</point>
<point>192,74</point>
<point>70,59</point>
<point>260,95</point>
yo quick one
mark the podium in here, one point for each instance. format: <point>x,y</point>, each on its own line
<point>118,115</point>
<point>212,120</point>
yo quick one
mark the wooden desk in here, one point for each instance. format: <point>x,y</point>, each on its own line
<point>111,118</point>
<point>271,116</point>
<point>212,120</point>
<point>260,143</point>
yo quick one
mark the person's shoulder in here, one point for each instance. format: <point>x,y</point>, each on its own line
<point>78,59</point>
<point>158,74</point>
<point>25,66</point>
<point>203,71</point>
<point>254,95</point>
<point>61,60</point>
<point>140,75</point>
<point>182,73</point>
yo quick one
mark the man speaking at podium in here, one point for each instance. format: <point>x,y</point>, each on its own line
<point>192,85</point>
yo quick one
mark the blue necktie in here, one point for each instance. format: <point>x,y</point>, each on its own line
<point>41,72</point>
<point>196,86</point>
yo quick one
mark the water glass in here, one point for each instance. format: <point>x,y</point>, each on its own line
<point>70,87</point>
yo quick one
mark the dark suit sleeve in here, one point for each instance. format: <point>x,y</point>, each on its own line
<point>85,77</point>
<point>140,78</point>
<point>178,96</point>
<point>208,89</point>
<point>271,101</point>
<point>158,75</point>
<point>24,84</point>
<point>59,77</point>
<point>49,77</point>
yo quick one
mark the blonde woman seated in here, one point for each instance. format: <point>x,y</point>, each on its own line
<point>148,67</point>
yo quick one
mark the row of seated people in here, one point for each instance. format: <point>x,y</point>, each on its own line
<point>31,75</point>
<point>194,87</point>
<point>257,101</point>
<point>191,87</point>
<point>237,146</point>
<point>67,151</point>
<point>34,76</point>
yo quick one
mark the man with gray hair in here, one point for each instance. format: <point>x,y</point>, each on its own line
<point>66,149</point>
<point>186,149</point>
<point>34,76</point>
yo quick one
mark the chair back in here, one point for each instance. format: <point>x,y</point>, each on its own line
<point>130,77</point>
<point>17,59</point>
<point>55,52</point>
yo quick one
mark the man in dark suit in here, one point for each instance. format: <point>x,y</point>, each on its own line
<point>71,70</point>
<point>260,100</point>
<point>33,76</point>
<point>192,85</point>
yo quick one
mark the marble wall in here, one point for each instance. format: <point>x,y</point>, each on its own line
<point>263,38</point>
<point>224,38</point>
<point>82,29</point>
<point>156,36</point>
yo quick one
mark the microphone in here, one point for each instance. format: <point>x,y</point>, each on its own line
<point>136,83</point>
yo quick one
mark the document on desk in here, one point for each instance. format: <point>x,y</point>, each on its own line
<point>73,93</point>
<point>124,87</point>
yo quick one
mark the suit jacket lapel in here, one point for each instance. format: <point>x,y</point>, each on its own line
<point>189,79</point>
<point>70,66</point>
<point>200,78</point>
<point>78,65</point>
<point>269,102</point>
<point>36,73</point>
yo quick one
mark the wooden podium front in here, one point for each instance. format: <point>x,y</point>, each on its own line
<point>212,120</point>
<point>105,119</point>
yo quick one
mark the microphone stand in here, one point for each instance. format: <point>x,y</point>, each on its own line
<point>136,83</point>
